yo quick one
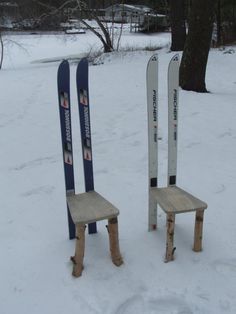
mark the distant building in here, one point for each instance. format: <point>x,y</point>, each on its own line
<point>126,13</point>
<point>8,4</point>
<point>8,11</point>
<point>8,8</point>
<point>140,17</point>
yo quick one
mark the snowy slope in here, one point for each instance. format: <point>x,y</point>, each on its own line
<point>35,250</point>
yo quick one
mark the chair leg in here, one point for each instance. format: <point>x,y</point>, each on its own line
<point>114,241</point>
<point>170,249</point>
<point>79,250</point>
<point>197,246</point>
<point>152,214</point>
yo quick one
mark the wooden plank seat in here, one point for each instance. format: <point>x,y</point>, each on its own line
<point>173,200</point>
<point>90,207</point>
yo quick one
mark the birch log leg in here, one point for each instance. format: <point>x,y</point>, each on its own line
<point>197,246</point>
<point>114,241</point>
<point>170,237</point>
<point>79,250</point>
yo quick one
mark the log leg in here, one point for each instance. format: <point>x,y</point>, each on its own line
<point>79,250</point>
<point>197,246</point>
<point>170,249</point>
<point>114,241</point>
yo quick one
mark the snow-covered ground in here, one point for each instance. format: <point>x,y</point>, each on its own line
<point>35,269</point>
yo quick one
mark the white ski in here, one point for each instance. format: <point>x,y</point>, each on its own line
<point>173,101</point>
<point>152,106</point>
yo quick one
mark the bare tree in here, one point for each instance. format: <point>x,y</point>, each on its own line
<point>103,32</point>
<point>105,36</point>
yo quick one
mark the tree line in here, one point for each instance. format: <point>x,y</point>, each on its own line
<point>192,24</point>
<point>178,13</point>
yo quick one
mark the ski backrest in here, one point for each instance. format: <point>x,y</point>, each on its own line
<point>63,85</point>
<point>85,128</point>
<point>63,81</point>
<point>173,102</point>
<point>152,106</point>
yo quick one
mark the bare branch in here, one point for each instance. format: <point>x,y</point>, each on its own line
<point>54,11</point>
<point>75,5</point>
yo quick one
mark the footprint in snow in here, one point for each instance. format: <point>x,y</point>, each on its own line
<point>225,266</point>
<point>166,305</point>
<point>219,189</point>
<point>48,189</point>
<point>190,145</point>
<point>227,133</point>
<point>194,113</point>
<point>33,163</point>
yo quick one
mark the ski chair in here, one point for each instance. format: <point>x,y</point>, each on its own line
<point>88,207</point>
<point>172,199</point>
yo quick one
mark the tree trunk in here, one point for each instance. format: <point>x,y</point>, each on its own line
<point>197,45</point>
<point>218,22</point>
<point>177,23</point>
<point>1,50</point>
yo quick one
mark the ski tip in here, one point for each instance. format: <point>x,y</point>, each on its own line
<point>154,58</point>
<point>174,63</point>
<point>152,61</point>
<point>82,67</point>
<point>83,61</point>
<point>175,58</point>
<point>64,63</point>
<point>63,69</point>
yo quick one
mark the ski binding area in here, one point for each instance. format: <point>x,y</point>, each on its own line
<point>35,264</point>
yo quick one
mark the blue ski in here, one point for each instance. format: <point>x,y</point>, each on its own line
<point>84,114</point>
<point>63,83</point>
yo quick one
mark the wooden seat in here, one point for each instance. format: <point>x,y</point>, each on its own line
<point>87,208</point>
<point>173,199</point>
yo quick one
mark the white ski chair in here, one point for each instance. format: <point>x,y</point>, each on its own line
<point>172,199</point>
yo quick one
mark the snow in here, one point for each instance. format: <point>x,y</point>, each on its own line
<point>35,249</point>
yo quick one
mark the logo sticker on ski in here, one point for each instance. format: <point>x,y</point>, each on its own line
<point>175,103</point>
<point>64,100</point>
<point>68,125</point>
<point>87,149</point>
<point>68,158</point>
<point>83,97</point>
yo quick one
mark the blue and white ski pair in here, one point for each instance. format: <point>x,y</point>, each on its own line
<point>63,82</point>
